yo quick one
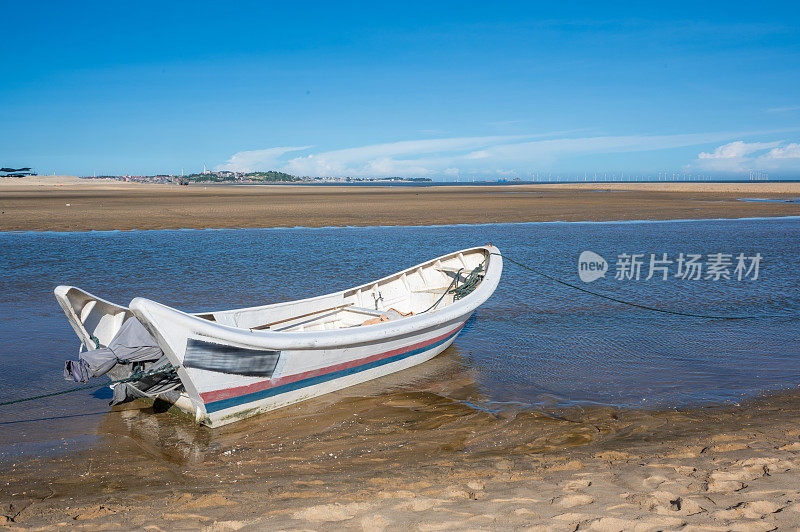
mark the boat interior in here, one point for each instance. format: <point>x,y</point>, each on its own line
<point>425,288</point>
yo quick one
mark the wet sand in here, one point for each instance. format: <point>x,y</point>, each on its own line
<point>61,204</point>
<point>396,454</point>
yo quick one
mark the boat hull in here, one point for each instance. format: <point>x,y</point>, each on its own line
<point>355,366</point>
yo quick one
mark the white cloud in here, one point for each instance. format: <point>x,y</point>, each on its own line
<point>737,150</point>
<point>786,109</point>
<point>790,151</point>
<point>268,159</point>
<point>404,158</point>
<point>497,154</point>
<point>741,157</point>
<point>552,148</point>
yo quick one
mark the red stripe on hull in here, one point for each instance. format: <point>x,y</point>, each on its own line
<point>218,395</point>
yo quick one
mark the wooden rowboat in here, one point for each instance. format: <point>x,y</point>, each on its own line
<point>226,365</point>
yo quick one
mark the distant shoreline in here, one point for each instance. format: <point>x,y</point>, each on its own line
<point>91,181</point>
<point>67,203</point>
<point>789,186</point>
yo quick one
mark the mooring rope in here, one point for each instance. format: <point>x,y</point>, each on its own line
<point>137,376</point>
<point>630,303</point>
<point>470,283</point>
<point>446,291</point>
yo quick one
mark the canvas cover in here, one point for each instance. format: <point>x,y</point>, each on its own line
<point>150,386</point>
<point>132,343</point>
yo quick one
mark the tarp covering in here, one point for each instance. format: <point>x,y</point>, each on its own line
<point>150,386</point>
<point>132,343</point>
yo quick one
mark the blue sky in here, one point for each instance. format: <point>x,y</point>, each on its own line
<point>444,90</point>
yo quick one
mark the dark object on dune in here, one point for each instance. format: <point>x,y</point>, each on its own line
<point>16,172</point>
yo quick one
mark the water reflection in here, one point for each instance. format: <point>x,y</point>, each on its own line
<point>164,434</point>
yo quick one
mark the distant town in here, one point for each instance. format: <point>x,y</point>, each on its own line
<point>271,176</point>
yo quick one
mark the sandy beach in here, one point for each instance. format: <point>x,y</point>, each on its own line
<point>70,204</point>
<point>419,461</point>
<point>386,455</point>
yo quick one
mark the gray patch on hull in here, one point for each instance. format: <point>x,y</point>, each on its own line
<point>230,359</point>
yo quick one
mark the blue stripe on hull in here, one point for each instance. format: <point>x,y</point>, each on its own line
<point>231,402</point>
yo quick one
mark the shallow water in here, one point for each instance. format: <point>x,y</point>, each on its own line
<point>771,200</point>
<point>535,344</point>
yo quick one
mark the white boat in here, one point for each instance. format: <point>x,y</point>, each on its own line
<point>232,364</point>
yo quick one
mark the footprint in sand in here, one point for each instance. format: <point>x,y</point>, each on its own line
<point>737,478</point>
<point>572,465</point>
<point>374,523</point>
<point>725,437</point>
<point>724,486</point>
<point>572,517</point>
<point>614,455</point>
<point>331,512</point>
<point>749,510</point>
<point>691,451</point>
<point>93,513</point>
<point>728,447</point>
<point>209,501</point>
<point>654,481</point>
<point>668,503</point>
<point>614,524</point>
<point>577,484</point>
<point>419,504</point>
<point>570,501</point>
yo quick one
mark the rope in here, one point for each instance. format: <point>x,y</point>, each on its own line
<point>470,283</point>
<point>447,291</point>
<point>637,305</point>
<point>459,292</point>
<point>137,376</point>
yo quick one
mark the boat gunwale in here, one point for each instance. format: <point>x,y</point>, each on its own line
<point>335,338</point>
<point>369,284</point>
